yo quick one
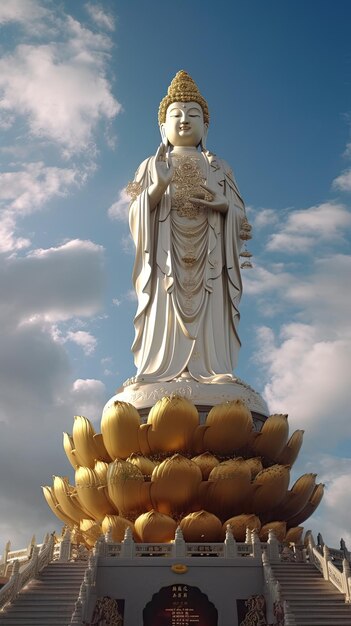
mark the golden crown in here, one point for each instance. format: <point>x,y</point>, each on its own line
<point>182,89</point>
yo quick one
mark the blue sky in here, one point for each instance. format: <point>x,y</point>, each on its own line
<point>80,85</point>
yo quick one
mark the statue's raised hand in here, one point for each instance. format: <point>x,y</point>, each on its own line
<point>210,198</point>
<point>162,173</point>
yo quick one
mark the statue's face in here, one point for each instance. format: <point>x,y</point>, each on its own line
<point>184,125</point>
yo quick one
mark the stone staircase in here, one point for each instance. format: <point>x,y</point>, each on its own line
<point>49,599</point>
<point>312,600</point>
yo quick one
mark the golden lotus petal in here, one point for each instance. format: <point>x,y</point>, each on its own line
<point>103,455</point>
<point>228,487</point>
<point>310,507</point>
<point>71,452</point>
<point>64,495</point>
<point>239,524</point>
<point>145,465</point>
<point>198,445</point>
<point>91,531</point>
<point>202,526</point>
<point>143,442</point>
<point>295,499</point>
<point>127,490</point>
<point>229,427</point>
<point>100,469</point>
<point>206,462</point>
<point>272,439</point>
<point>290,452</point>
<point>91,493</point>
<point>270,488</point>
<point>55,507</point>
<point>117,525</point>
<point>279,529</point>
<point>173,420</point>
<point>155,527</point>
<point>174,485</point>
<point>233,468</point>
<point>83,438</point>
<point>120,426</point>
<point>255,465</point>
<point>294,535</point>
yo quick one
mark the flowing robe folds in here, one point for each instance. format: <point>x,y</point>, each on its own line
<point>187,280</point>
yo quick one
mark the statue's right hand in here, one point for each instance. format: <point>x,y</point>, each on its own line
<point>162,169</point>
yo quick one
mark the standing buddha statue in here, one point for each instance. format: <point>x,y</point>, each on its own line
<point>188,223</point>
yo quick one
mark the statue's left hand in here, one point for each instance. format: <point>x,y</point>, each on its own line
<point>218,202</point>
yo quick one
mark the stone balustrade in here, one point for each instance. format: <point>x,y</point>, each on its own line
<point>40,557</point>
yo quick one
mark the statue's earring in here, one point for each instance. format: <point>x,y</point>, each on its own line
<point>163,136</point>
<point>203,139</point>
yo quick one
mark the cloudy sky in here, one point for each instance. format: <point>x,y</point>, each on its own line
<point>80,85</point>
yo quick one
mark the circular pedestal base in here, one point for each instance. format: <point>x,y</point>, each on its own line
<point>144,395</point>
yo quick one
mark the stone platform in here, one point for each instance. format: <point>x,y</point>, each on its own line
<point>144,395</point>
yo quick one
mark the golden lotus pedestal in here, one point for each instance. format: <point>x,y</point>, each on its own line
<point>184,454</point>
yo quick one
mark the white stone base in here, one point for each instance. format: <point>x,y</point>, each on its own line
<point>145,395</point>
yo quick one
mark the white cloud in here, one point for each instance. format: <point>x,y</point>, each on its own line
<point>308,377</point>
<point>323,296</point>
<point>84,339</point>
<point>26,190</point>
<point>343,182</point>
<point>127,244</point>
<point>128,296</point>
<point>119,209</point>
<point>9,241</point>
<point>265,217</point>
<point>262,281</point>
<point>90,396</point>
<point>23,11</point>
<point>63,99</point>
<point>306,228</point>
<point>100,17</point>
<point>53,284</point>
<point>332,517</point>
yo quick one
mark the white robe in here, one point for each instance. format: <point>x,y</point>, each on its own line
<point>187,315</point>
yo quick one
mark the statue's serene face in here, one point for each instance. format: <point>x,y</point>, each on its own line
<point>184,125</point>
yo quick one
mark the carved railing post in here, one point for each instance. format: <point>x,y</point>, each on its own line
<point>108,535</point>
<point>248,535</point>
<point>346,579</point>
<point>256,544</point>
<point>3,563</point>
<point>273,547</point>
<point>65,546</point>
<point>31,546</point>
<point>35,560</point>
<point>230,547</point>
<point>179,545</point>
<point>16,577</point>
<point>100,546</point>
<point>326,560</point>
<point>128,545</point>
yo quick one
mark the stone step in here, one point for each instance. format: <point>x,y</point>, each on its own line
<point>39,606</point>
<point>324,597</point>
<point>58,583</point>
<point>311,620</point>
<point>318,610</point>
<point>296,602</point>
<point>62,574</point>
<point>318,588</point>
<point>32,621</point>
